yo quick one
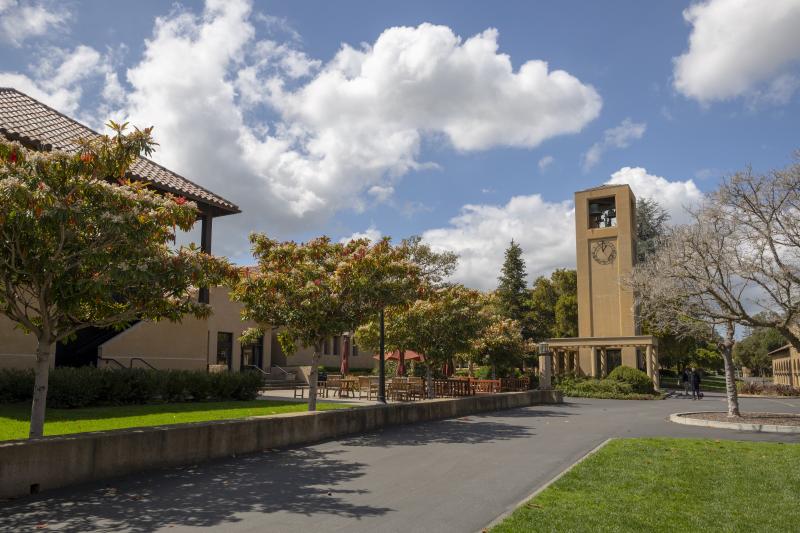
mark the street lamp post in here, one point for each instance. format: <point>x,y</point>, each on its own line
<point>382,367</point>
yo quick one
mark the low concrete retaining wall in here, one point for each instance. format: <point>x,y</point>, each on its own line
<point>39,464</point>
<point>687,419</point>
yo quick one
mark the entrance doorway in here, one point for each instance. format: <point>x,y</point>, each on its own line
<point>253,354</point>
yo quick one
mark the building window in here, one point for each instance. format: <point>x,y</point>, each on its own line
<point>355,347</point>
<point>326,346</point>
<point>224,348</point>
<point>602,213</point>
<point>336,345</point>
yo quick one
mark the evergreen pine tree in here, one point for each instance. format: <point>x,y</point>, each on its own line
<point>511,291</point>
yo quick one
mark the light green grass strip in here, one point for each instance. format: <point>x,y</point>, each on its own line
<point>15,419</point>
<point>666,485</point>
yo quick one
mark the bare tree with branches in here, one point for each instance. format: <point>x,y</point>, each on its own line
<point>765,212</point>
<point>691,288</point>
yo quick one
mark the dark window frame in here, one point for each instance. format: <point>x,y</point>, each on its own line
<point>227,343</point>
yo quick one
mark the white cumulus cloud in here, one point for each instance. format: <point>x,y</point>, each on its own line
<point>545,230</point>
<point>20,21</point>
<point>673,196</point>
<point>293,139</point>
<point>740,48</point>
<point>372,233</point>
<point>339,134</point>
<point>617,137</point>
<point>545,162</point>
<point>58,77</point>
<point>481,233</point>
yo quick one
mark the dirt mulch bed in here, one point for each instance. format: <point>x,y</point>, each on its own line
<point>773,419</point>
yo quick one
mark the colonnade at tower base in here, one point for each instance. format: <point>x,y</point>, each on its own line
<point>598,356</point>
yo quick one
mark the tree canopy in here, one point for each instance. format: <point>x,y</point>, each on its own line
<point>751,352</point>
<point>82,246</point>
<point>651,224</point>
<point>319,289</point>
<point>512,286</point>
<point>553,306</point>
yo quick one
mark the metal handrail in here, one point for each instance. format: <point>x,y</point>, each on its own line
<point>142,360</point>
<point>254,367</point>
<point>285,372</point>
<point>110,360</point>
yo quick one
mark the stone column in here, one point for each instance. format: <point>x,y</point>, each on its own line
<point>556,362</point>
<point>648,361</point>
<point>545,371</point>
<point>656,373</point>
<point>594,366</point>
<point>603,363</point>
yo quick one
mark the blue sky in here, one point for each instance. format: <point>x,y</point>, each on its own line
<point>420,126</point>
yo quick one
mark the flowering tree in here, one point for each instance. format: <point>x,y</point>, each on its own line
<point>444,324</point>
<point>500,344</point>
<point>77,250</point>
<point>398,334</point>
<point>319,289</point>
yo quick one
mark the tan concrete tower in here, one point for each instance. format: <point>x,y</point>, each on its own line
<point>605,227</point>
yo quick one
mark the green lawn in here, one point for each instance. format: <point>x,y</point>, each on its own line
<point>671,485</point>
<point>15,418</point>
<point>715,384</point>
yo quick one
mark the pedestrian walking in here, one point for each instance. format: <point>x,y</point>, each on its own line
<point>685,383</point>
<point>694,376</point>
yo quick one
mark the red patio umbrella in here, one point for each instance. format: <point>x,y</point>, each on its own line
<point>409,355</point>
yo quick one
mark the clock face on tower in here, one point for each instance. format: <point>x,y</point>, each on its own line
<point>604,252</point>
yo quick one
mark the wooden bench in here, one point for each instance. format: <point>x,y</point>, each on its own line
<point>301,389</point>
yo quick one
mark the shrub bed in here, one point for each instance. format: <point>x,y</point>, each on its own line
<point>766,389</point>
<point>611,389</point>
<point>88,386</point>
<point>638,380</point>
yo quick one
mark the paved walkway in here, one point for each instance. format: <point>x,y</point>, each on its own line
<point>451,475</point>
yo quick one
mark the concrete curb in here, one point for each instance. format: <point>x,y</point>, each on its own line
<point>541,489</point>
<point>768,397</point>
<point>684,418</point>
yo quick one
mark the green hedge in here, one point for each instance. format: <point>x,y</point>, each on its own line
<point>88,386</point>
<point>638,380</point>
<point>612,389</point>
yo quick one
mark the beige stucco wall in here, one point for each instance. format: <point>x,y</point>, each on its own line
<point>190,344</point>
<point>304,355</point>
<point>180,345</point>
<point>605,307</point>
<point>17,349</point>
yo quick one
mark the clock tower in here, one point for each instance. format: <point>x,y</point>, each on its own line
<point>605,225</point>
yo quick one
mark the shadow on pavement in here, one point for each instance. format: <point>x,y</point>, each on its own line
<point>300,481</point>
<point>473,429</point>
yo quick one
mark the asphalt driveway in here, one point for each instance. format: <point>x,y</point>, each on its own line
<point>451,475</point>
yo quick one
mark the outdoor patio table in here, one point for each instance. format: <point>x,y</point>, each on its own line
<point>348,387</point>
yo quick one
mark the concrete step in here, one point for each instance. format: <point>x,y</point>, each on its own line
<point>279,385</point>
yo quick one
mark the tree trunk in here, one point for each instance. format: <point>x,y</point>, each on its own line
<point>494,371</point>
<point>312,381</point>
<point>429,380</point>
<point>730,378</point>
<point>40,389</point>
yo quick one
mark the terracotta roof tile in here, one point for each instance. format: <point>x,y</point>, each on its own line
<point>32,122</point>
